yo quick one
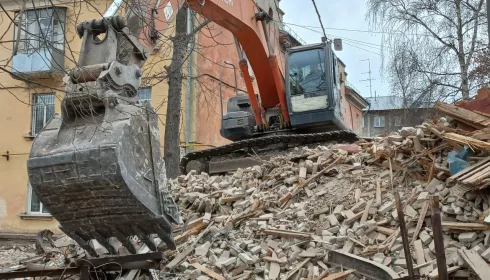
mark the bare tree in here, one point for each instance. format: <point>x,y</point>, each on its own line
<point>438,38</point>
<point>180,40</point>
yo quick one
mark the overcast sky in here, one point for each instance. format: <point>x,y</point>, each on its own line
<point>357,46</point>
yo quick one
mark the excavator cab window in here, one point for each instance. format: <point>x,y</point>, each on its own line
<point>307,80</point>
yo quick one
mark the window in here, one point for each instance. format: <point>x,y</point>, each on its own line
<point>307,72</point>
<point>42,111</point>
<point>363,120</point>
<point>398,121</point>
<point>34,205</point>
<point>41,28</point>
<point>144,94</point>
<point>379,121</point>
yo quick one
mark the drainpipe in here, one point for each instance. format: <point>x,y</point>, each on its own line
<point>368,120</point>
<point>189,81</point>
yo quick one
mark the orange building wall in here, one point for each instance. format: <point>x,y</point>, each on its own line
<point>215,45</point>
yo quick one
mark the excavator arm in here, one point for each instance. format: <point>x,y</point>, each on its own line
<point>247,22</point>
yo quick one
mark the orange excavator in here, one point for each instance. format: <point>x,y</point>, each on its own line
<point>97,167</point>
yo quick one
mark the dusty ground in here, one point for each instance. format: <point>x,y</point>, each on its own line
<point>11,254</point>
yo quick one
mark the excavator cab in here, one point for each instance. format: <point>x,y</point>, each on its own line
<point>313,88</point>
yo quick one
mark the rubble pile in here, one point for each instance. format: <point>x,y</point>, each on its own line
<point>280,220</point>
<point>318,212</point>
<point>10,255</point>
<point>46,255</point>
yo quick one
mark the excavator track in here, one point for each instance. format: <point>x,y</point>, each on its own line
<point>205,156</point>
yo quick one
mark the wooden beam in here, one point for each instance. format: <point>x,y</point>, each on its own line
<point>287,234</point>
<point>476,263</point>
<point>339,275</point>
<point>208,271</point>
<point>365,214</point>
<point>420,222</point>
<point>465,226</point>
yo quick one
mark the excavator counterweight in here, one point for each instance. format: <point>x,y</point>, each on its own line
<point>97,167</point>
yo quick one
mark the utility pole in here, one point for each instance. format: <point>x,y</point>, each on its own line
<point>369,75</point>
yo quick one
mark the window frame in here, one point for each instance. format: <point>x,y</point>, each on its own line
<point>29,205</point>
<point>34,112</point>
<point>140,90</point>
<point>57,13</point>
<point>379,121</point>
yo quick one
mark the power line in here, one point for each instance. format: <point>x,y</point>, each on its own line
<point>362,49</point>
<point>309,27</point>
<point>319,19</point>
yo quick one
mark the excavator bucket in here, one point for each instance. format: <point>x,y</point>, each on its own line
<point>97,167</point>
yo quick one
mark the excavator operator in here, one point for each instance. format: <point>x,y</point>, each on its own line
<point>314,80</point>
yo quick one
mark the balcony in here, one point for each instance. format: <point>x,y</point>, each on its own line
<point>40,64</point>
<point>289,38</point>
<point>39,44</point>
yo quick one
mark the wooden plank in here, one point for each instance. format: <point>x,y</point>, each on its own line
<point>476,263</point>
<point>464,140</point>
<point>287,234</point>
<point>477,176</point>
<point>469,168</point>
<point>356,217</point>
<point>474,171</point>
<point>378,192</point>
<point>465,226</point>
<point>208,271</point>
<point>383,230</point>
<point>365,213</point>
<point>295,269</point>
<point>193,231</point>
<point>357,194</point>
<point>435,273</point>
<point>323,275</point>
<point>188,249</point>
<point>420,222</point>
<point>468,117</point>
<point>419,256</point>
<point>283,200</point>
<point>339,275</point>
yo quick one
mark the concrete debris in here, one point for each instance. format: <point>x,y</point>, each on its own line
<point>350,208</point>
<point>273,222</point>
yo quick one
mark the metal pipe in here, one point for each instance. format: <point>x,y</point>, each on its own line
<point>221,83</point>
<point>251,93</point>
<point>189,81</point>
<point>267,39</point>
<point>438,239</point>
<point>220,88</point>
<point>239,49</point>
<point>403,232</point>
<point>87,73</point>
<point>113,8</point>
<point>234,73</point>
